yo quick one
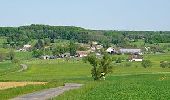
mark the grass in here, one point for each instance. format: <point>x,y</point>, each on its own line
<point>23,55</point>
<point>118,85</point>
<point>3,50</point>
<point>7,67</point>
<point>133,87</point>
<point>48,72</point>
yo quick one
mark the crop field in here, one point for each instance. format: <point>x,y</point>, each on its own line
<point>6,85</point>
<point>13,92</point>
<point>132,87</point>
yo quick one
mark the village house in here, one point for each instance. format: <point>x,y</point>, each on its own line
<point>93,49</point>
<point>84,45</point>
<point>48,57</point>
<point>96,47</point>
<point>82,53</point>
<point>25,47</point>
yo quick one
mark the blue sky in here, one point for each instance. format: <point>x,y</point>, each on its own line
<point>91,14</point>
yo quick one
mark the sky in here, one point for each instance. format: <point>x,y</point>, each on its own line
<point>138,15</point>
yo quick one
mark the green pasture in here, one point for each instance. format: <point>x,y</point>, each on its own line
<point>7,68</point>
<point>23,55</point>
<point>62,69</point>
<point>51,71</point>
<point>129,80</point>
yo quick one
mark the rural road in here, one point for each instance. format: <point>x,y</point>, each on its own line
<point>48,93</point>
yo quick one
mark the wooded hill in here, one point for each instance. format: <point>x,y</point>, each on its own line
<point>18,36</point>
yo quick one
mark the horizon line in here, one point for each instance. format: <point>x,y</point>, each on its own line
<point>95,29</point>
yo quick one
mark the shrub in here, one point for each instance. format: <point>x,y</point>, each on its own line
<point>37,53</point>
<point>11,55</point>
<point>2,56</point>
<point>165,64</point>
<point>146,63</point>
<point>118,60</point>
<point>15,61</point>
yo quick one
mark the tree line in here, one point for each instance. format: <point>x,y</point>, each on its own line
<point>18,36</point>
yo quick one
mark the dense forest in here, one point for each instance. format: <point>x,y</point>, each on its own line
<point>18,36</point>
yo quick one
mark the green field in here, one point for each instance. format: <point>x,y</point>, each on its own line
<point>125,82</point>
<point>132,87</point>
<point>7,68</point>
<point>50,72</point>
<point>23,55</point>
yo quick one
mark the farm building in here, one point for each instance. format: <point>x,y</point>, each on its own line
<point>110,50</point>
<point>25,48</point>
<point>65,55</point>
<point>48,57</point>
<point>131,51</point>
<point>45,57</point>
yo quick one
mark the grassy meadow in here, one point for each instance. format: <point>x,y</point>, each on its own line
<point>128,81</point>
<point>7,68</point>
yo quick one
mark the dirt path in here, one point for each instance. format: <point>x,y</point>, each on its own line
<point>48,93</point>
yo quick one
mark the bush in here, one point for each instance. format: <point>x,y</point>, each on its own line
<point>11,55</point>
<point>165,64</point>
<point>2,56</point>
<point>118,60</point>
<point>37,53</point>
<point>15,61</point>
<point>146,63</point>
